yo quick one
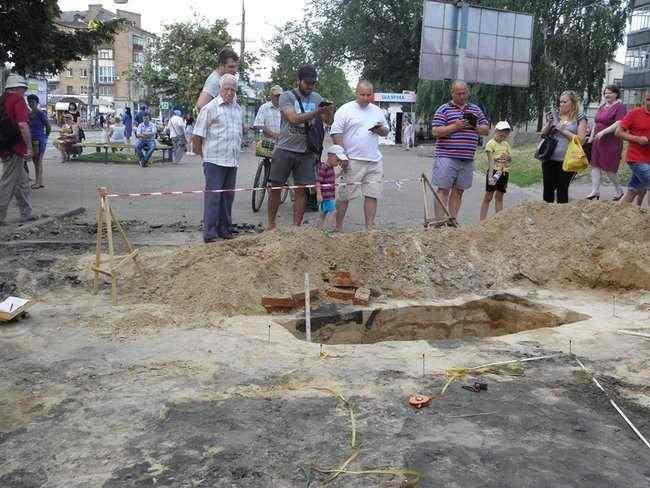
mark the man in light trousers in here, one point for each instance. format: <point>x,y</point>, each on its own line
<point>15,179</point>
<point>176,128</point>
<point>217,138</point>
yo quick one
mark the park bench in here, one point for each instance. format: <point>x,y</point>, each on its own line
<point>120,146</point>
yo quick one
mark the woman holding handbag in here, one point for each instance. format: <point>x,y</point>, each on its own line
<point>562,127</point>
<point>606,147</point>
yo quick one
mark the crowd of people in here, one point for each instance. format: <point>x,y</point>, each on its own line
<point>293,125</point>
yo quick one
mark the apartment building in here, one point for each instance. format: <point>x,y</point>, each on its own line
<point>636,76</point>
<point>100,83</point>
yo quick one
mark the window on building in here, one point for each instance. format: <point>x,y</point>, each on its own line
<point>637,59</point>
<point>69,89</point>
<point>105,54</point>
<point>106,74</point>
<point>138,57</point>
<point>105,91</point>
<point>84,90</point>
<point>68,72</point>
<point>138,40</point>
<point>83,73</point>
<point>640,19</point>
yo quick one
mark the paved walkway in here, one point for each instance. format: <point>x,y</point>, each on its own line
<point>74,184</point>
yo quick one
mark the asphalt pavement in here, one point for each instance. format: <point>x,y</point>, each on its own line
<point>74,184</point>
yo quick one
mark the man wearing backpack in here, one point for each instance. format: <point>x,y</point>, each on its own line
<point>15,149</point>
<point>295,152</point>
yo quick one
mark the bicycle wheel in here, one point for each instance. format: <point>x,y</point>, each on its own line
<point>261,179</point>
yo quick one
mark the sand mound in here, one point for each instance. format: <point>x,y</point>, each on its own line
<point>581,244</point>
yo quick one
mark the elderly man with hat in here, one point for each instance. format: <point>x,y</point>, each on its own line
<point>15,149</point>
<point>176,128</point>
<point>269,118</point>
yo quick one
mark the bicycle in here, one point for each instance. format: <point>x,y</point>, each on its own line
<point>261,181</point>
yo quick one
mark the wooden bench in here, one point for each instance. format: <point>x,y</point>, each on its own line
<point>120,146</point>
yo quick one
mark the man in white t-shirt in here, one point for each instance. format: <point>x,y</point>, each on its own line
<point>357,126</point>
<point>228,62</point>
<point>176,128</point>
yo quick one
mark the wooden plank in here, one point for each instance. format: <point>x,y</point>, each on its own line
<point>102,271</point>
<point>126,259</point>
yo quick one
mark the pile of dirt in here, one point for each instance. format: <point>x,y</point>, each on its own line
<point>580,244</point>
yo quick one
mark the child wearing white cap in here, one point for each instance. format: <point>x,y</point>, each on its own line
<point>325,189</point>
<point>498,153</point>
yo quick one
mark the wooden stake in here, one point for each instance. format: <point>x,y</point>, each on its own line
<point>427,218</point>
<point>98,247</point>
<point>106,217</point>
<point>427,183</point>
<point>307,309</point>
<point>111,249</point>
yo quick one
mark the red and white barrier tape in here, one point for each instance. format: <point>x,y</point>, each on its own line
<point>397,183</point>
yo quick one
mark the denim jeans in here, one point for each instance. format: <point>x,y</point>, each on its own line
<point>640,177</point>
<point>144,149</point>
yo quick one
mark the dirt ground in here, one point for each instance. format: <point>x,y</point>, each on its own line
<point>188,383</point>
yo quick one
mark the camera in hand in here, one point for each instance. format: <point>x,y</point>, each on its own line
<point>471,119</point>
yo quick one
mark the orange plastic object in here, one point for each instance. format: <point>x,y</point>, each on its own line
<point>419,401</point>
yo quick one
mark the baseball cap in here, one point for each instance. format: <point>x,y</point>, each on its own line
<point>503,125</point>
<point>338,151</point>
<point>15,81</point>
<point>307,73</point>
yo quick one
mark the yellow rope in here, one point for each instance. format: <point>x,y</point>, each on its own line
<point>342,469</point>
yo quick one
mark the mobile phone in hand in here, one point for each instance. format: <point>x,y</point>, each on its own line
<point>325,103</point>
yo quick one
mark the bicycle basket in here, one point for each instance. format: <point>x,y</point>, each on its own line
<point>264,148</point>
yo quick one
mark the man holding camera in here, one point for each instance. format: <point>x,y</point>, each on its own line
<point>294,154</point>
<point>457,126</point>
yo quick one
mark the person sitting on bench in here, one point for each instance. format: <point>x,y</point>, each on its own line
<point>146,143</point>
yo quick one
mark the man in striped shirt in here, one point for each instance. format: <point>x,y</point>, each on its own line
<point>457,126</point>
<point>217,138</point>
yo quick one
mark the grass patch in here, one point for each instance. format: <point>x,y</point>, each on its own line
<point>119,157</point>
<point>525,170</point>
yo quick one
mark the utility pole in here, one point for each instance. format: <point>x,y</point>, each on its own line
<point>243,32</point>
<point>91,90</point>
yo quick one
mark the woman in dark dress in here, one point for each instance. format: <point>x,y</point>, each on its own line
<point>128,124</point>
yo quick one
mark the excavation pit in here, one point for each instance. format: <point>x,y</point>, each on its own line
<point>496,315</point>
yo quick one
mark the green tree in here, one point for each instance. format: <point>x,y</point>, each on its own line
<point>381,38</point>
<point>31,38</point>
<point>182,57</point>
<point>573,40</point>
<point>294,46</point>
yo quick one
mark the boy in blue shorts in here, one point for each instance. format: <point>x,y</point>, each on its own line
<point>325,189</point>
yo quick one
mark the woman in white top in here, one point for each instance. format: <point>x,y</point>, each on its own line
<point>108,123</point>
<point>117,133</point>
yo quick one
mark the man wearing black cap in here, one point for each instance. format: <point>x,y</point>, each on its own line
<point>293,155</point>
